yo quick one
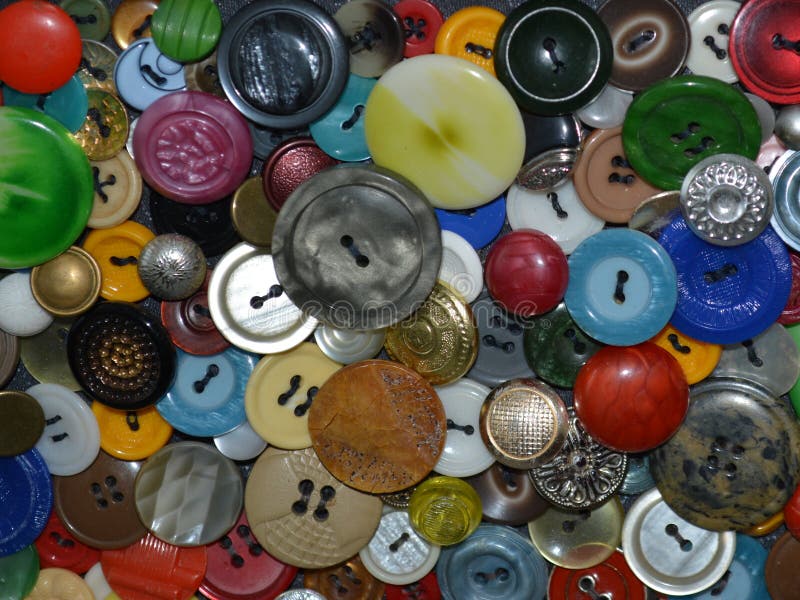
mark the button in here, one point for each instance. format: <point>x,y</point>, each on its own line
<point>578,540</point>
<point>95,579</point>
<point>21,315</point>
<point>396,554</point>
<point>458,158</point>
<point>151,565</point>
<point>710,30</point>
<point>9,356</point>
<point>300,594</point>
<point>58,548</point>
<point>779,566</point>
<point>464,452</point>
<point>426,588</point>
<point>507,496</point>
<point>786,125</point>
<point>131,434</point>
<point>296,90</point>
<point>68,284</point>
<point>67,104</point>
<point>650,43</point>
<point>121,356</point>
<point>249,306</point>
<point>202,76</point>
<point>470,33</point>
<point>607,111</point>
<point>676,123</point>
<point>421,24</point>
<point>117,191</point>
<point>398,500</point>
<point>280,393</point>
<point>97,66</point>
<point>350,580</point>
<point>439,340</point>
<point>21,422</point>
<point>604,179</point>
<point>348,346</point>
<point>207,397</point>
<point>461,266</point>
<point>638,479</point>
<point>574,66</point>
<point>697,359</point>
<point>45,355</point>
<point>241,443</point>
<point>733,463</point>
<point>495,562</point>
<point>377,461</point>
<point>550,132</point>
<point>27,500</point>
<point>289,164</point>
<point>91,16</point>
<point>302,515</point>
<point>768,119</point>
<point>374,35</point>
<point>29,24</point>
<point>558,212</point>
<point>612,577</point>
<point>622,287</point>
<point>556,348</point>
<point>479,226</point>
<point>786,218</point>
<point>655,213</point>
<point>526,272</point>
<point>117,251</point>
<point>583,475</point>
<point>186,31</point>
<point>340,131</point>
<point>143,74</point>
<point>19,572</point>
<point>188,494</point>
<point>131,21</point>
<point>60,584</point>
<point>238,567</point>
<point>651,528</point>
<point>34,232</point>
<point>548,170</point>
<point>524,405</point>
<point>727,294</point>
<point>769,153</point>
<point>791,312</point>
<point>766,527</point>
<point>252,216</point>
<point>172,266</point>
<point>444,510</point>
<point>646,401</point>
<point>333,262</point>
<point>104,131</point>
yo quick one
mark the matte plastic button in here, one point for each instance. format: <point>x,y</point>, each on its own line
<point>613,577</point>
<point>361,584</point>
<point>710,34</point>
<point>507,495</point>
<point>68,284</point>
<point>242,443</point>
<point>21,314</point>
<point>143,74</point>
<point>26,488</point>
<point>117,191</point>
<point>22,422</point>
<point>131,434</point>
<point>131,21</point>
<point>251,214</point>
<point>470,33</point>
<point>58,548</point>
<point>67,104</point>
<point>18,572</point>
<point>44,355</point>
<point>479,226</point>
<point>105,130</point>
<point>779,570</point>
<point>91,16</point>
<point>421,23</point>
<point>60,584</point>
<point>340,131</point>
<point>444,510</point>
<point>347,346</point>
<point>186,30</point>
<point>374,36</point>
<point>697,359</point>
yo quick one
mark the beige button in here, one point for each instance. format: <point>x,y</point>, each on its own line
<point>60,584</point>
<point>67,285</point>
<point>252,215</point>
<point>117,190</point>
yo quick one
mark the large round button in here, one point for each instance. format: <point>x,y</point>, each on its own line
<point>58,548</point>
<point>374,36</point>
<point>470,33</point>
<point>697,359</point>
<point>612,577</point>
<point>27,500</point>
<point>22,422</point>
<point>118,190</point>
<point>68,284</point>
<point>143,74</point>
<point>131,434</point>
<point>186,30</point>
<point>710,33</point>
<point>507,496</point>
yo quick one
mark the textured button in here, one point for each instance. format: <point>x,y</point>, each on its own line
<point>131,434</point>
<point>9,356</point>
<point>458,157</point>
<point>186,30</point>
<point>377,460</point>
<point>444,510</point>
<point>189,323</point>
<point>203,76</point>
<point>18,572</point>
<point>607,110</point>
<point>479,226</point>
<point>302,515</point>
<point>745,576</point>
<point>21,314</point>
<point>779,570</point>
<point>27,500</point>
<point>697,359</point>
<point>340,131</point>
<point>333,262</point>
<point>21,422</point>
<point>421,23</point>
<point>612,577</point>
<point>784,174</point>
<point>104,131</point>
<point>44,355</point>
<point>117,190</point>
<point>280,392</point>
<point>241,443</point>
<point>374,36</point>
<point>97,66</point>
<point>710,33</point>
<point>659,545</point>
<point>347,346</point>
<point>791,312</point>
<point>131,21</point>
<point>188,494</point>
<point>67,104</point>
<point>172,266</point>
<point>58,548</point>
<point>650,42</point>
<point>60,584</point>
<point>251,214</point>
<point>470,33</point>
<point>142,74</point>
<point>289,164</point>
<point>348,581</point>
<point>91,16</point>
<point>507,496</point>
<point>68,284</point>
<point>300,594</point>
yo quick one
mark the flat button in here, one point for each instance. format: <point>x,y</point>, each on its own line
<point>266,139</point>
<point>58,548</point>
<point>91,16</point>
<point>9,356</point>
<point>646,388</point>
<point>349,581</point>
<point>374,36</point>
<point>638,479</point>
<point>289,164</point>
<point>426,588</point>
<point>117,190</point>
<point>131,434</point>
<point>507,496</point>
<point>302,515</point>
<point>203,76</point>
<point>21,422</point>
<point>104,131</point>
<point>340,131</point>
<point>143,74</point>
<point>421,23</point>
<point>461,266</point>
<point>188,494</point>
<point>19,572</point>
<point>22,315</point>
<point>607,110</point>
<point>734,460</point>
<point>97,66</point>
<point>241,443</point>
<point>26,488</point>
<point>444,510</point>
<point>251,214</point>
<point>479,226</point>
<point>131,21</point>
<point>784,173</point>
<point>347,346</point>
<point>186,31</point>
<point>612,577</point>
<point>60,584</point>
<point>45,355</point>
<point>697,359</point>
<point>791,312</point>
<point>710,34</point>
<point>172,266</point>
<point>377,461</point>
<point>67,104</point>
<point>470,33</point>
<point>676,123</point>
<point>189,325</point>
<point>658,543</point>
<point>549,132</point>
<point>207,397</point>
<point>68,284</point>
<point>778,572</point>
<point>650,43</point>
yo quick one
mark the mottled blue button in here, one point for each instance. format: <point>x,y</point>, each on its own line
<point>785,177</point>
<point>27,495</point>
<point>67,104</point>
<point>479,226</point>
<point>340,131</point>
<point>727,295</point>
<point>494,562</point>
<point>143,74</point>
<point>621,287</point>
<point>207,398</point>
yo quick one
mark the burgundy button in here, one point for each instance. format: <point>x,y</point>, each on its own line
<point>421,22</point>
<point>426,588</point>
<point>508,496</point>
<point>791,312</point>
<point>189,325</point>
<point>58,548</point>
<point>289,165</point>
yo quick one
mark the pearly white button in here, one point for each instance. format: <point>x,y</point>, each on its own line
<point>708,54</point>
<point>766,115</point>
<point>608,109</point>
<point>20,314</point>
<point>347,346</point>
<point>461,266</point>
<point>243,443</point>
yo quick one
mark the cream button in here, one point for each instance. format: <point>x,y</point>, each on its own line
<point>709,26</point>
<point>117,190</point>
<point>20,314</point>
<point>461,266</point>
<point>60,584</point>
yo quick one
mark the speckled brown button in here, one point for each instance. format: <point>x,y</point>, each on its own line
<point>67,285</point>
<point>117,190</point>
<point>650,41</point>
<point>507,495</point>
<point>131,21</point>
<point>9,356</point>
<point>399,452</point>
<point>347,581</point>
<point>780,570</point>
<point>203,76</point>
<point>21,422</point>
<point>289,164</point>
<point>252,216</point>
<point>302,515</point>
<point>97,66</point>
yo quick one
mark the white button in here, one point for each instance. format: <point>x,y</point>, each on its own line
<point>461,267</point>
<point>129,143</point>
<point>97,582</point>
<point>708,47</point>
<point>143,75</point>
<point>243,443</point>
<point>71,438</point>
<point>347,346</point>
<point>396,554</point>
<point>608,109</point>
<point>20,314</point>
<point>464,452</point>
<point>765,113</point>
<point>563,217</point>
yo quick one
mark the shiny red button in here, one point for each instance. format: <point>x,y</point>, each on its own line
<point>791,514</point>
<point>612,578</point>
<point>426,588</point>
<point>58,548</point>
<point>791,312</point>
<point>421,22</point>
<point>189,323</point>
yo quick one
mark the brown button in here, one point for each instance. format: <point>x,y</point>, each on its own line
<point>21,422</point>
<point>290,164</point>
<point>375,36</point>
<point>203,76</point>
<point>131,21</point>
<point>347,581</point>
<point>507,496</point>
<point>67,285</point>
<point>9,356</point>
<point>252,216</point>
<point>117,190</point>
<point>45,355</point>
<point>97,505</point>
<point>302,515</point>
<point>389,458</point>
<point>97,66</point>
<point>604,179</point>
<point>781,568</point>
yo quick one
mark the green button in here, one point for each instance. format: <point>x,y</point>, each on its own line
<point>186,30</point>
<point>91,16</point>
<point>678,122</point>
<point>794,393</point>
<point>18,573</point>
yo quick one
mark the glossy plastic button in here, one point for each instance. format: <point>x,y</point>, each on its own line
<point>612,577</point>
<point>361,584</point>
<point>745,578</point>
<point>60,584</point>
<point>340,131</point>
<point>27,490</point>
<point>444,510</point>
<point>374,36</point>
<point>426,588</point>
<point>607,110</point>
<point>67,105</point>
<point>58,548</point>
<point>190,326</point>
<point>470,33</point>
<point>18,572</point>
<point>479,226</point>
<point>241,443</point>
<point>186,30</point>
<point>785,177</point>
<point>131,434</point>
<point>131,21</point>
<point>105,130</point>
<point>251,214</point>
<point>91,16</point>
<point>507,496</point>
<point>68,284</point>
<point>421,23</point>
<point>22,422</point>
<point>697,359</point>
<point>143,74</point>
<point>347,346</point>
<point>710,34</point>
<point>118,190</point>
<point>638,478</point>
<point>21,314</point>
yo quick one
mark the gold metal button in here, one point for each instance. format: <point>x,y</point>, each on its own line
<point>67,285</point>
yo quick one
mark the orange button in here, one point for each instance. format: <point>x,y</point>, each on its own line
<point>131,21</point>
<point>696,358</point>
<point>469,34</point>
<point>766,527</point>
<point>132,434</point>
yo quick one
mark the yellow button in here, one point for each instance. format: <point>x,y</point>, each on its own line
<point>697,359</point>
<point>68,284</point>
<point>60,584</point>
<point>470,34</point>
<point>117,251</point>
<point>105,129</point>
<point>766,527</point>
<point>132,434</point>
<point>280,392</point>
<point>444,510</point>
<point>117,190</point>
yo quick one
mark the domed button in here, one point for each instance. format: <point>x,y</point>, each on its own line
<point>421,23</point>
<point>734,461</point>
<point>444,510</point>
<point>697,359</point>
<point>251,214</point>
<point>91,16</point>
<point>67,105</point>
<point>131,21</point>
<point>58,548</point>
<point>131,434</point>
<point>186,30</point>
<point>19,572</point>
<point>349,581</point>
<point>142,74</point>
<point>117,191</point>
<point>786,217</point>
<point>203,76</point>
<point>785,125</point>
<point>555,132</point>
<point>289,164</point>
<point>68,284</point>
<point>97,66</point>
<point>28,499</point>
<point>45,355</point>
<point>374,36</point>
<point>612,577</point>
<point>607,110</point>
<point>172,266</point>
<point>710,25</point>
<point>470,33</point>
<point>22,315</point>
<point>479,226</point>
<point>507,495</point>
<point>60,584</point>
<point>548,169</point>
<point>21,422</point>
<point>104,131</point>
<point>241,443</point>
<point>347,346</point>
<point>300,594</point>
<point>650,41</point>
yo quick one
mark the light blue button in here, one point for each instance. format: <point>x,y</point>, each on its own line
<point>340,131</point>
<point>67,105</point>
<point>143,74</point>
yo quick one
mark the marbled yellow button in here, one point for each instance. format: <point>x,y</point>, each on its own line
<point>470,34</point>
<point>697,359</point>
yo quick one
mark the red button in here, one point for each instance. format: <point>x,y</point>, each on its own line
<point>290,164</point>
<point>58,548</point>
<point>612,578</point>
<point>791,514</point>
<point>189,323</point>
<point>791,312</point>
<point>426,588</point>
<point>421,22</point>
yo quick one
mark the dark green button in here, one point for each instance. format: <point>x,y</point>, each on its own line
<point>18,573</point>
<point>678,122</point>
<point>556,348</point>
<point>91,16</point>
<point>554,57</point>
<point>21,422</point>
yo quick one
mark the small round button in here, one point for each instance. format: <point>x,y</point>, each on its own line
<point>290,163</point>
<point>330,581</point>
<point>374,36</point>
<point>44,355</point>
<point>21,422</point>
<point>470,33</point>
<point>347,346</point>
<point>131,434</point>
<point>697,359</point>
<point>507,496</point>
<point>116,251</point>
<point>117,191</point>
<point>68,284</point>
<point>607,110</point>
<point>97,66</point>
<point>104,131</point>
<point>203,76</point>
<point>91,16</point>
<point>22,315</point>
<point>131,21</point>
<point>58,548</point>
<point>142,74</point>
<point>444,510</point>
<point>710,34</point>
<point>421,23</point>
<point>613,577</point>
<point>186,30</point>
<point>67,104</point>
<point>251,214</point>
<point>26,487</point>
<point>19,572</point>
<point>172,266</point>
<point>60,584</point>
<point>479,226</point>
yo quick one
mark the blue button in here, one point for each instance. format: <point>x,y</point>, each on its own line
<point>479,226</point>
<point>67,105</point>
<point>143,74</point>
<point>727,295</point>
<point>27,494</point>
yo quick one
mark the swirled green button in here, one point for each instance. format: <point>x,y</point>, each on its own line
<point>186,30</point>
<point>676,123</point>
<point>46,188</point>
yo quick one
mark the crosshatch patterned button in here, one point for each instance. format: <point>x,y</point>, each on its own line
<point>58,548</point>
<point>470,33</point>
<point>117,190</point>
<point>131,434</point>
<point>507,495</point>
<point>612,577</point>
<point>22,422</point>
